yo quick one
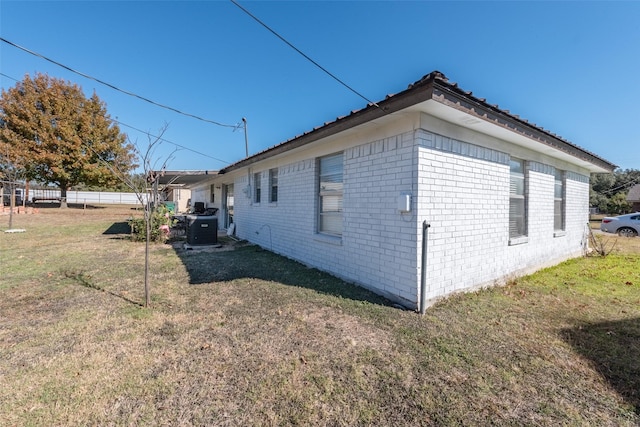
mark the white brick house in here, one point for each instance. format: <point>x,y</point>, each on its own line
<point>502,196</point>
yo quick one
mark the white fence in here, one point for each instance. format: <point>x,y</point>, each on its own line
<point>96,197</point>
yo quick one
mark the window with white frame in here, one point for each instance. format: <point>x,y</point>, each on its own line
<point>256,186</point>
<point>273,185</point>
<point>517,199</point>
<point>559,201</point>
<point>330,188</point>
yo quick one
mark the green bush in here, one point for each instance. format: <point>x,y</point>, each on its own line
<point>161,223</point>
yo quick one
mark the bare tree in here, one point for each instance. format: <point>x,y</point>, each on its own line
<point>11,172</point>
<point>146,191</point>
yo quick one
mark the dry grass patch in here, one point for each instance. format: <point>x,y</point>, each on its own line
<point>245,337</point>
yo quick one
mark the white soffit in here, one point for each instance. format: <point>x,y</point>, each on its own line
<point>478,124</point>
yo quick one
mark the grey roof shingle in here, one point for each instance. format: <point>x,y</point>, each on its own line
<point>634,194</point>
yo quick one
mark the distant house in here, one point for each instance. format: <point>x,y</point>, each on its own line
<point>502,196</point>
<point>634,198</point>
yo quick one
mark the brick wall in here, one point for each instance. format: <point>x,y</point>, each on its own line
<point>378,246</point>
<point>466,202</point>
<point>465,198</point>
<point>379,238</point>
<point>461,189</point>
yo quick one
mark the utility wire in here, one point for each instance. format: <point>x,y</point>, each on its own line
<point>170,142</point>
<point>116,88</point>
<point>9,77</point>
<point>305,56</point>
<point>150,134</point>
<point>625,185</point>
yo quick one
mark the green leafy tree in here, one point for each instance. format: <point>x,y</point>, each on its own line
<point>618,204</point>
<point>625,179</point>
<point>601,182</point>
<point>608,192</point>
<point>598,200</point>
<point>65,138</point>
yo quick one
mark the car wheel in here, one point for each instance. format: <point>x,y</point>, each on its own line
<point>627,232</point>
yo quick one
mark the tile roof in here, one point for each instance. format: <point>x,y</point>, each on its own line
<point>436,86</point>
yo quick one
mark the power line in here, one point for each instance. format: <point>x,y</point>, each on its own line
<point>623,186</point>
<point>170,142</point>
<point>150,134</point>
<point>9,77</point>
<point>175,110</point>
<point>305,56</point>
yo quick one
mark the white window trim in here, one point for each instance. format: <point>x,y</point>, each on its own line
<point>563,179</point>
<point>273,173</point>
<point>332,237</point>
<point>518,240</point>
<point>257,188</point>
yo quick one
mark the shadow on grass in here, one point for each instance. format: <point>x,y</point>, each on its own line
<point>56,205</point>
<point>83,280</point>
<point>614,349</point>
<point>118,228</point>
<point>253,262</point>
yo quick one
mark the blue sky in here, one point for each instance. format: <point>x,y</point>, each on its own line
<point>570,67</point>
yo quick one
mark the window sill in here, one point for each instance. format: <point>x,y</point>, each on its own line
<point>559,233</point>
<point>274,204</point>
<point>327,238</point>
<point>518,240</point>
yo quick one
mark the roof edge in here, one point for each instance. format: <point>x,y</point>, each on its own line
<point>417,92</point>
<point>451,95</point>
<point>436,86</point>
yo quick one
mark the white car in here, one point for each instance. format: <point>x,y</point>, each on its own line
<point>623,225</point>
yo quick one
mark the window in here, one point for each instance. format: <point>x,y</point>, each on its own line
<point>330,195</point>
<point>256,185</point>
<point>273,185</point>
<point>558,201</point>
<point>517,200</point>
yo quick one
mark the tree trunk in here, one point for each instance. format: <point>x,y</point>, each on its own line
<point>63,197</point>
<point>147,291</point>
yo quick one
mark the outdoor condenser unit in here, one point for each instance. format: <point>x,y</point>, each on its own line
<point>202,230</point>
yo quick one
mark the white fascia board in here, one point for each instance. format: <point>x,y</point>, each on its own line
<point>476,124</point>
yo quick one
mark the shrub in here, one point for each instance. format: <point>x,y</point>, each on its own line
<point>599,245</point>
<point>161,223</point>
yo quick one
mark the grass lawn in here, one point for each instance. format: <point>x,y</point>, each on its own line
<point>246,337</point>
